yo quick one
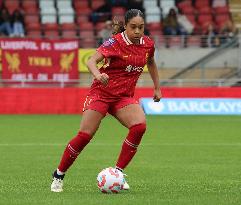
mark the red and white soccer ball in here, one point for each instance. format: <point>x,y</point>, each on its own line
<point>110,180</point>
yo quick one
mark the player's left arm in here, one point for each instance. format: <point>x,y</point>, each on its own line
<point>152,68</point>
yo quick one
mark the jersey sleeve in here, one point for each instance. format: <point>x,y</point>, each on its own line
<point>108,48</point>
<point>152,51</point>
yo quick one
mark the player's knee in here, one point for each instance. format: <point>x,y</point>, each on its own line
<point>84,136</point>
<point>77,144</point>
<point>87,131</point>
<point>135,133</point>
<point>138,129</point>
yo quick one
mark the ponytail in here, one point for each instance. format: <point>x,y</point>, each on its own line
<point>117,26</point>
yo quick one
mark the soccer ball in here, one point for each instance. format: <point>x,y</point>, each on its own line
<point>110,180</point>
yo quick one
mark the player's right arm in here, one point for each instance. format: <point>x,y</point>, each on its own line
<point>92,66</point>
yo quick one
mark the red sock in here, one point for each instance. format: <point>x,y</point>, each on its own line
<point>129,146</point>
<point>71,152</point>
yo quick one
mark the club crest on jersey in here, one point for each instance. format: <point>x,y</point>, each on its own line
<point>109,42</point>
<point>130,68</point>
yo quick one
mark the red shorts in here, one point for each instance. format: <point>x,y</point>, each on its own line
<point>103,106</point>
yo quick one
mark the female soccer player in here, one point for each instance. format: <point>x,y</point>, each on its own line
<point>125,55</point>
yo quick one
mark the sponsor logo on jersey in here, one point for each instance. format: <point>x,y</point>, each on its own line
<point>131,68</point>
<point>109,42</point>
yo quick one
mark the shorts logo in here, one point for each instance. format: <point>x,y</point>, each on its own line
<point>109,42</point>
<point>130,68</point>
<point>87,103</point>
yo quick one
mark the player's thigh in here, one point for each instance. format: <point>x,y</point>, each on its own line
<point>130,115</point>
<point>90,121</point>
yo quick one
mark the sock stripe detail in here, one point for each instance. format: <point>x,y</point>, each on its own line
<point>72,150</point>
<point>130,144</point>
<point>119,168</point>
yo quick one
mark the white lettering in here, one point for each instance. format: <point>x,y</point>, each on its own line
<point>198,106</point>
<point>19,45</point>
<point>45,46</point>
<point>42,77</point>
<point>30,76</point>
<point>183,106</point>
<point>23,76</point>
<point>66,46</point>
<point>239,106</point>
<point>19,77</point>
<point>194,106</point>
<point>205,106</point>
<point>60,77</point>
<point>231,106</point>
<point>222,107</point>
<point>130,68</point>
<point>172,106</point>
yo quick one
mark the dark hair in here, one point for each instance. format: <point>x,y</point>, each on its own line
<point>118,26</point>
<point>133,13</point>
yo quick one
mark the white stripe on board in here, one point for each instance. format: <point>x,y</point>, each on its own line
<point>115,144</point>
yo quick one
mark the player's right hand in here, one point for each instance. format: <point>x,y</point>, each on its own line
<point>103,78</point>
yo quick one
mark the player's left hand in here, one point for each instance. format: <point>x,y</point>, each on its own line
<point>157,95</point>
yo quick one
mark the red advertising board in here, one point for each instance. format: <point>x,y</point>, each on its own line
<point>71,100</point>
<point>39,60</point>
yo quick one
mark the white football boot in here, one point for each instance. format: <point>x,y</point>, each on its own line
<point>57,185</point>
<point>126,185</point>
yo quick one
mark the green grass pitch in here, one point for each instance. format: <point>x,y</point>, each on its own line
<point>184,160</point>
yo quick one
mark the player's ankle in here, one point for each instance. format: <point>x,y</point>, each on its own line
<point>58,175</point>
<point>119,169</point>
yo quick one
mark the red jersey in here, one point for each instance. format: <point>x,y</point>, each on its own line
<point>124,63</point>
